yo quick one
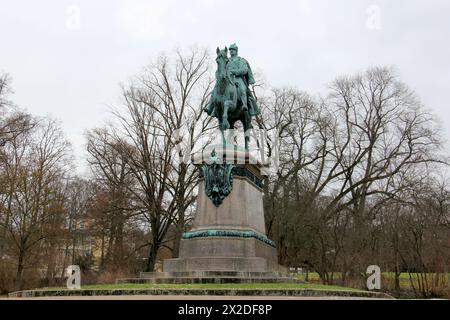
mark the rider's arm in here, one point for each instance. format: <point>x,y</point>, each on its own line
<point>242,70</point>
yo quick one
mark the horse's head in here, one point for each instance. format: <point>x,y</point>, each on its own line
<point>222,55</point>
<point>222,60</point>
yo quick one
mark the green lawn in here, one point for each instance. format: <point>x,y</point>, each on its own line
<point>213,286</point>
<point>386,277</point>
<point>313,277</point>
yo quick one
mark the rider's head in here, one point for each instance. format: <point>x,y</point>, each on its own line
<point>233,49</point>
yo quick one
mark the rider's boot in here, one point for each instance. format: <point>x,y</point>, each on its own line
<point>208,109</point>
<point>244,107</point>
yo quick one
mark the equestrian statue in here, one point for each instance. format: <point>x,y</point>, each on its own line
<point>231,99</point>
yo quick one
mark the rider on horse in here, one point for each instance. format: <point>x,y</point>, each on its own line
<point>242,76</point>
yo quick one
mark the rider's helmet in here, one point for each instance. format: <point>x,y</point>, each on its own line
<point>233,46</point>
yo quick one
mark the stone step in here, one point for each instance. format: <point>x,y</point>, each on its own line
<point>203,292</point>
<point>218,273</point>
<point>207,263</point>
<point>215,280</point>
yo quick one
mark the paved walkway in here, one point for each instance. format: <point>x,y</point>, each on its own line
<point>178,297</point>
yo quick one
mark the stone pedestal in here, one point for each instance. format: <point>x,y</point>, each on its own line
<point>230,237</point>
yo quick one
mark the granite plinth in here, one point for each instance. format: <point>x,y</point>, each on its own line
<point>230,237</point>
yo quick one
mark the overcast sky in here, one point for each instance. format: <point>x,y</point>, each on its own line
<point>67,58</point>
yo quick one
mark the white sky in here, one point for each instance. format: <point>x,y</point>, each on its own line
<point>70,68</point>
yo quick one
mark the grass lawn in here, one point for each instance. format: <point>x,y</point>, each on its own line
<point>313,277</point>
<point>386,277</point>
<point>212,286</point>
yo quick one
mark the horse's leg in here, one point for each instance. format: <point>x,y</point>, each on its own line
<point>231,136</point>
<point>210,107</point>
<point>223,139</point>
<point>226,106</point>
<point>230,104</point>
<point>247,139</point>
<point>220,118</point>
<point>247,126</point>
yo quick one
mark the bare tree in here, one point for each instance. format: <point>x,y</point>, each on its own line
<point>110,163</point>
<point>5,89</point>
<point>34,165</point>
<point>77,195</point>
<point>152,141</point>
<point>337,154</point>
<point>12,121</point>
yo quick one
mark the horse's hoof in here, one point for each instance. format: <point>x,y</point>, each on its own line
<point>225,125</point>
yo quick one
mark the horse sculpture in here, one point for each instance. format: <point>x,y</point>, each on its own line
<point>224,104</point>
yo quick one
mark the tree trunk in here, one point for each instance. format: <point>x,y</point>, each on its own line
<point>151,258</point>
<point>110,247</point>
<point>397,270</point>
<point>153,252</point>
<point>102,253</point>
<point>20,267</point>
<point>51,264</point>
<point>118,243</point>
<point>178,235</point>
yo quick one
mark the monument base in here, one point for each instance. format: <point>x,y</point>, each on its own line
<point>227,253</point>
<point>228,233</point>
<point>215,277</point>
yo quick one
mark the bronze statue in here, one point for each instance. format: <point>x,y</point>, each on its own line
<point>231,99</point>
